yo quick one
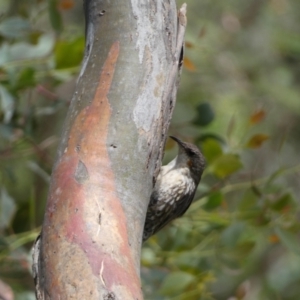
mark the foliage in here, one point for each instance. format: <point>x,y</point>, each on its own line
<point>238,100</point>
<point>37,58</point>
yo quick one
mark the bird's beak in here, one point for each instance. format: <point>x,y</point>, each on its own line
<point>178,141</point>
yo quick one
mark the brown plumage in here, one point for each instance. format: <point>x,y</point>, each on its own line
<point>175,188</point>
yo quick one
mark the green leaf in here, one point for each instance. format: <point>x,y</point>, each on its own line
<point>7,208</point>
<point>290,240</point>
<point>69,53</point>
<point>288,42</point>
<point>214,200</point>
<point>176,283</point>
<point>25,79</point>
<point>211,149</point>
<point>14,27</point>
<point>203,137</point>
<point>226,165</point>
<point>282,202</point>
<point>205,114</point>
<point>148,256</point>
<point>249,201</point>
<point>188,260</point>
<point>55,16</point>
<point>20,51</point>
<point>245,248</point>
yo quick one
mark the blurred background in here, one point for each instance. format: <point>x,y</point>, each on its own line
<point>239,101</point>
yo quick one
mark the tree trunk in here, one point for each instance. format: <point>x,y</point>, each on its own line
<point>110,152</point>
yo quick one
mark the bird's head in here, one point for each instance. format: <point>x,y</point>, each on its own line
<point>191,156</point>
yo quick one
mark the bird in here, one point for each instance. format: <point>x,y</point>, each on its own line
<point>175,188</point>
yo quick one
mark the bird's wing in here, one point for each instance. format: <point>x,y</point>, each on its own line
<point>157,219</point>
<point>184,204</point>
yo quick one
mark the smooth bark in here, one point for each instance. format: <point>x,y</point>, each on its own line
<point>110,152</point>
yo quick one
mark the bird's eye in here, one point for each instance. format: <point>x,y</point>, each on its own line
<point>191,152</point>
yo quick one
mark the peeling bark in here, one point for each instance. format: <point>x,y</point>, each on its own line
<point>110,151</point>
